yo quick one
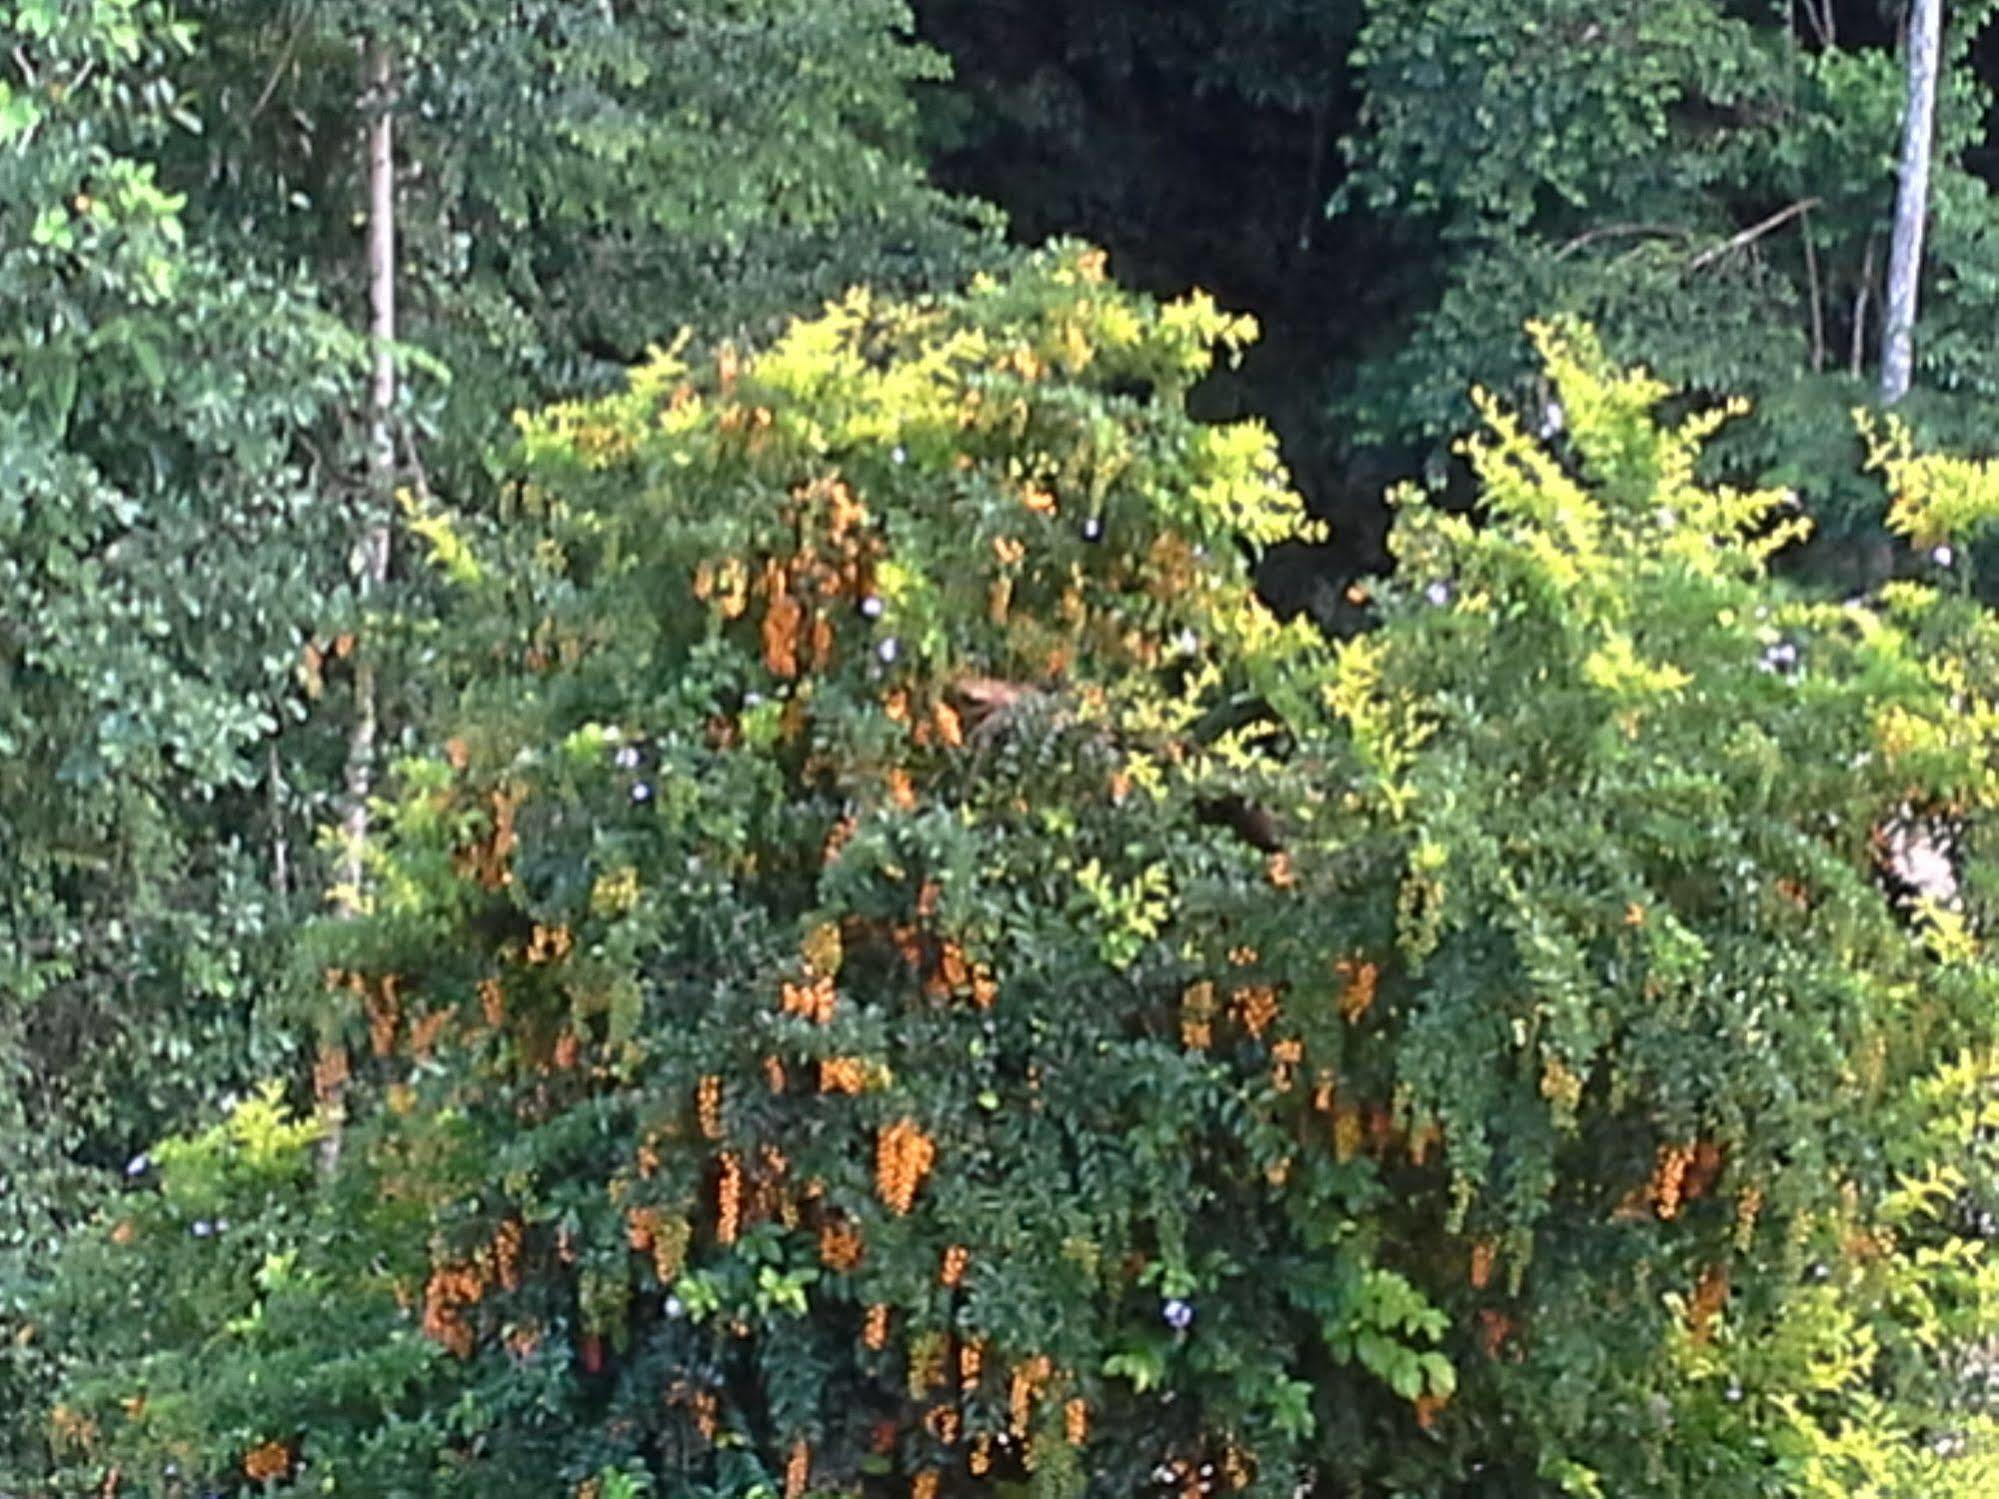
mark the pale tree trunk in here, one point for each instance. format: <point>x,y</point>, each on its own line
<point>1912,195</point>
<point>372,551</point>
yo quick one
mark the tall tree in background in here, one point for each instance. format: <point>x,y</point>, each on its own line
<point>1710,185</point>
<point>164,554</point>
<point>1912,200</point>
<point>372,555</point>
<point>575,180</point>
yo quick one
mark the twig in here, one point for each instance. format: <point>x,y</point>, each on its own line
<point>284,61</point>
<point>1614,231</point>
<point>1753,233</point>
<point>1817,297</point>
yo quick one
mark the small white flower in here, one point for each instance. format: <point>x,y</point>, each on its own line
<point>900,455</point>
<point>1942,556</point>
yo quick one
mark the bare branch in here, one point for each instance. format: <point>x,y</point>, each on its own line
<point>1753,233</point>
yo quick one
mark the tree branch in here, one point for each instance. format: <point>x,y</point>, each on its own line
<point>1753,233</point>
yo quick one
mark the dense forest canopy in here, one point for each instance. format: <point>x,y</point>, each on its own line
<point>872,748</point>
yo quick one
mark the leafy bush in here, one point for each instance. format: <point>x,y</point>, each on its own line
<point>902,977</point>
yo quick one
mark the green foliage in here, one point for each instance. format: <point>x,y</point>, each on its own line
<point>1706,182</point>
<point>573,181</point>
<point>832,1019</point>
<point>161,560</point>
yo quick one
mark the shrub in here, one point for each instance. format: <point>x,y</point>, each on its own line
<point>902,977</point>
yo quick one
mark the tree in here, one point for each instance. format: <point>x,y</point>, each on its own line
<point>897,970</point>
<point>572,183</point>
<point>162,559</point>
<point>1912,201</point>
<point>1705,183</point>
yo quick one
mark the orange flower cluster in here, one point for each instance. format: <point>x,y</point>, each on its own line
<point>1029,1379</point>
<point>943,1423</point>
<point>708,1106</point>
<point>843,1075</point>
<point>950,728</point>
<point>329,1075</point>
<point>1669,1176</point>
<point>489,862</point>
<point>814,1001</point>
<point>1424,1139</point>
<point>567,1051</point>
<point>729,1199</point>
<point>798,1469</point>
<point>840,1245</point>
<point>1197,1017</point>
<point>980,1461</point>
<point>1710,1295</point>
<point>1748,1208</point>
<point>971,1363</point>
<point>384,1008</point>
<point>838,838</point>
<point>1285,1056</point>
<point>700,1404</point>
<point>903,1157</point>
<point>500,1260</point>
<point>550,944</point>
<point>774,1074</point>
<point>772,1201</point>
<point>663,1236</point>
<point>493,1001</point>
<point>1076,1420</point>
<point>985,988</point>
<point>783,618</point>
<point>951,1273</point>
<point>426,1031</point>
<point>269,1463</point>
<point>449,1291</point>
<point>1483,1256</point>
<point>874,1328</point>
<point>924,1485</point>
<point>1358,981</point>
<point>72,1428</point>
<point>951,973</point>
<point>1255,1006</point>
<point>1235,1466</point>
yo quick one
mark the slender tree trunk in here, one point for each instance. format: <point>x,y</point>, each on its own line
<point>378,83</point>
<point>379,78</point>
<point>1912,195</point>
